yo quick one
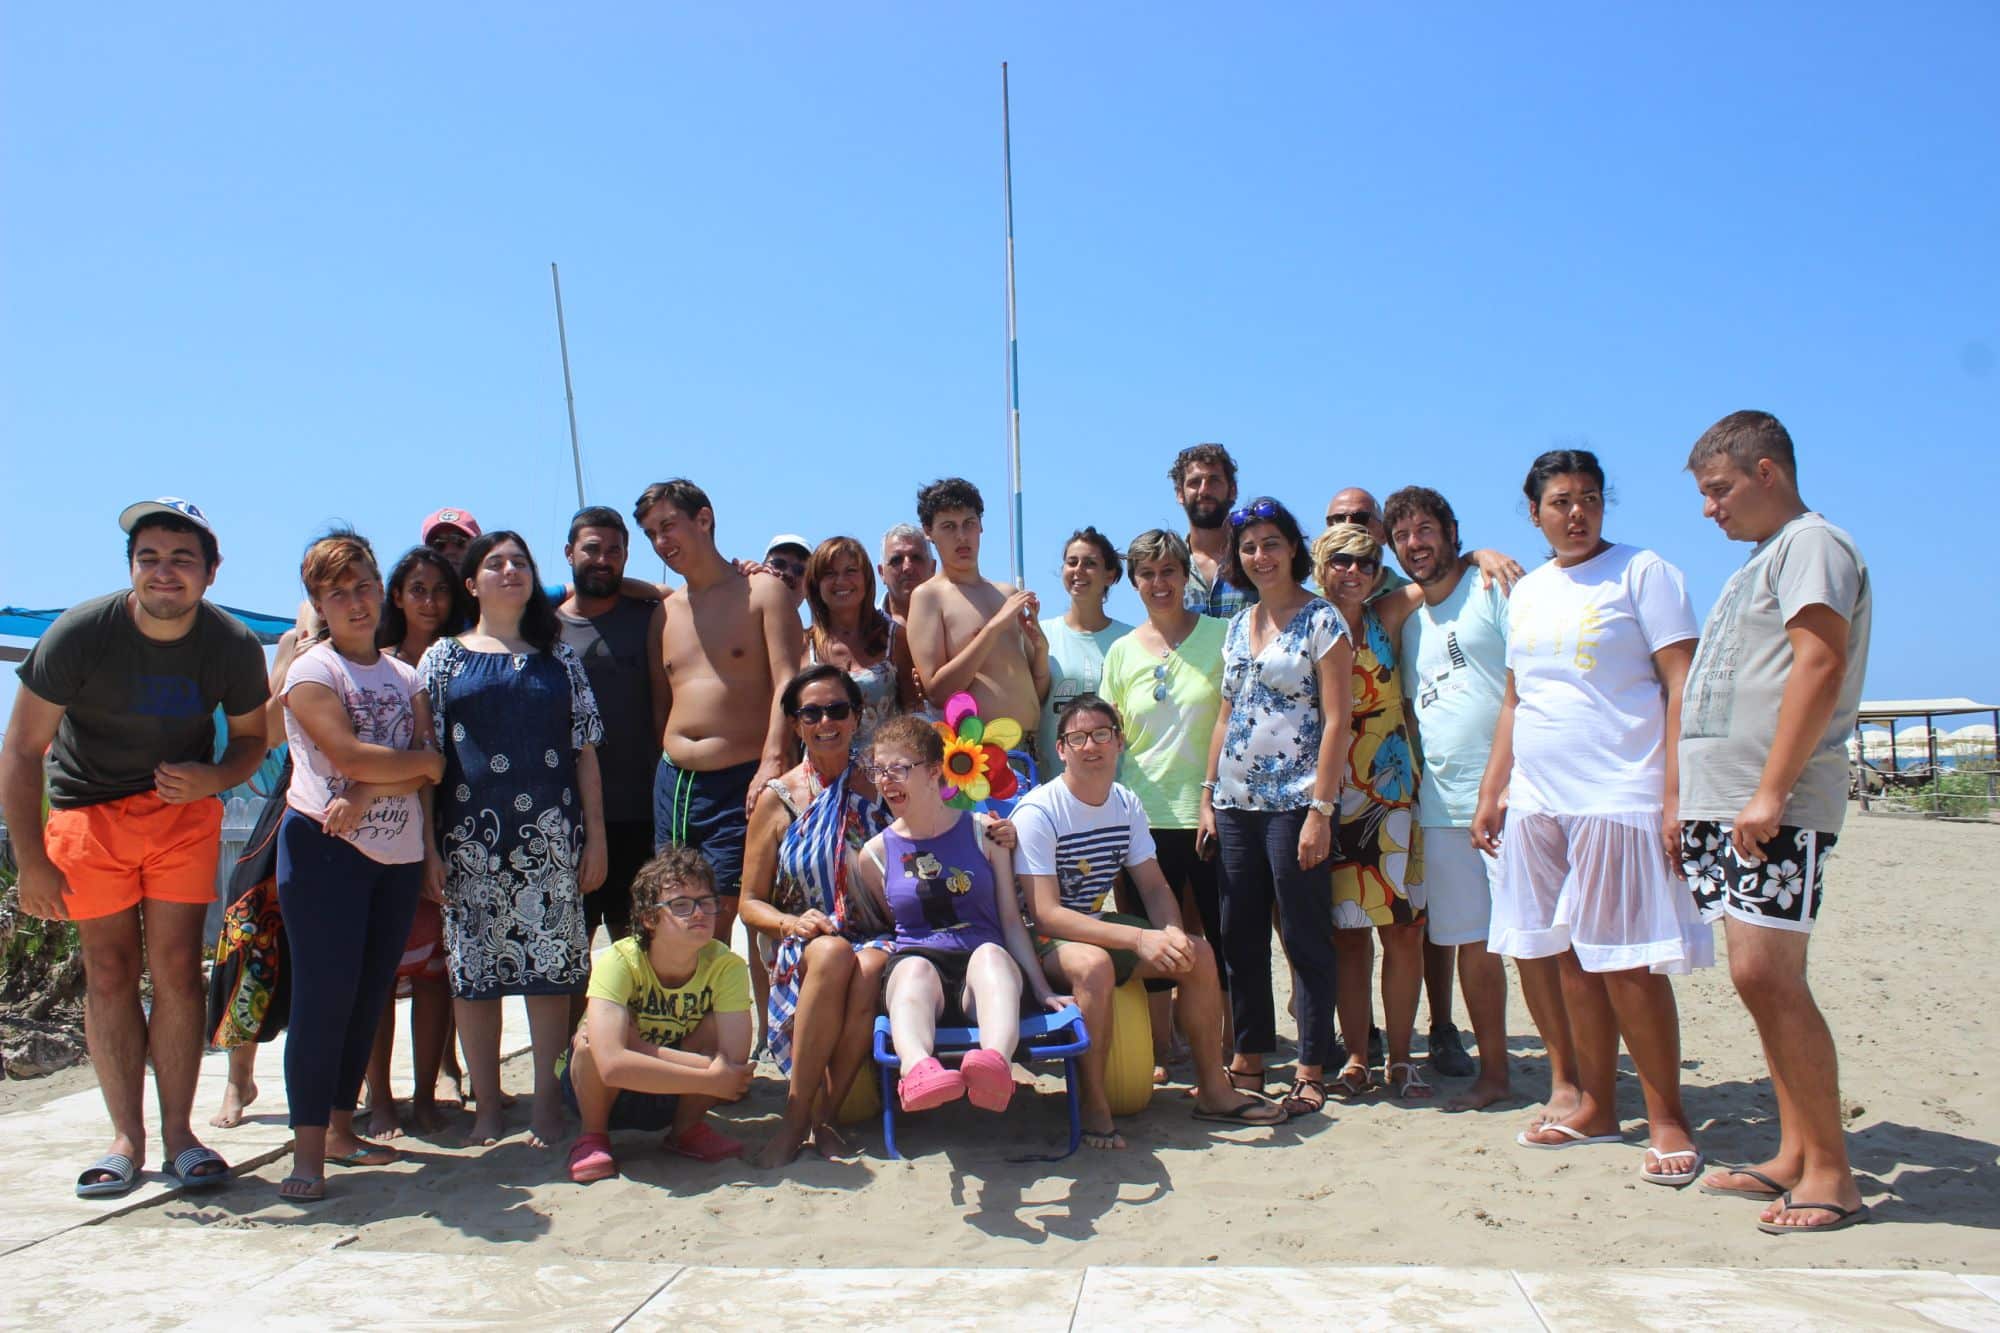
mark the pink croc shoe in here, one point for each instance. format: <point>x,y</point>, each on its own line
<point>590,1159</point>
<point>989,1079</point>
<point>928,1083</point>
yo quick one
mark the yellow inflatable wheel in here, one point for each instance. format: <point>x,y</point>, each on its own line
<point>864,1095</point>
<point>1128,1074</point>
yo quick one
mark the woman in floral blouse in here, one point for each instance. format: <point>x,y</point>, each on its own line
<point>1274,775</point>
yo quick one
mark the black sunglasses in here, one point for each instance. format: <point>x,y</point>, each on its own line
<point>810,714</point>
<point>1342,560</point>
<point>1263,509</point>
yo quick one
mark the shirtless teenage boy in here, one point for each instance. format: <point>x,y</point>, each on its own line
<point>730,641</point>
<point>968,632</point>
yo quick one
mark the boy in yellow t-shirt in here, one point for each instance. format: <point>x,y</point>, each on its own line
<point>666,1024</point>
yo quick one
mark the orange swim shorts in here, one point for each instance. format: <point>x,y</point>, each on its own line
<point>118,852</point>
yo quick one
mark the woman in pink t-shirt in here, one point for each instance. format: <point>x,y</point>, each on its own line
<point>350,853</point>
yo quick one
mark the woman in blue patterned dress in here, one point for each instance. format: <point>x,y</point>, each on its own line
<point>521,818</point>
<point>1275,766</point>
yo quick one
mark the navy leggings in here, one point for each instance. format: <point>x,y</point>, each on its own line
<point>1260,863</point>
<point>346,920</point>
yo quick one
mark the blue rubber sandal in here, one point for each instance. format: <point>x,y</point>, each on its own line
<point>182,1171</point>
<point>124,1173</point>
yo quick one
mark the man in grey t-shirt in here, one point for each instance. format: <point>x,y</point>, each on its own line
<point>1769,703</point>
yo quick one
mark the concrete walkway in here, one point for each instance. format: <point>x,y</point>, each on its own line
<point>207,1278</point>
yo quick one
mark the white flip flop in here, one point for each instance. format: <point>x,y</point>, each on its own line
<point>1576,1138</point>
<point>1674,1179</point>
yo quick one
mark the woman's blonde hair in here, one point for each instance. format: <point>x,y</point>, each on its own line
<point>1342,539</point>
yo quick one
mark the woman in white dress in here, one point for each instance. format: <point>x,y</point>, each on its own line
<point>1579,804</point>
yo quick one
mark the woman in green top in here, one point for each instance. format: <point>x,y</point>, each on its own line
<point>1079,637</point>
<point>1165,678</point>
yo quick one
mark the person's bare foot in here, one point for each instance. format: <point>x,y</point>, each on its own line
<point>1482,1095</point>
<point>1546,1135</point>
<point>546,1128</point>
<point>487,1129</point>
<point>780,1150</point>
<point>1103,1140</point>
<point>1737,1179</point>
<point>382,1121</point>
<point>234,1102</point>
<point>830,1143</point>
<point>426,1117</point>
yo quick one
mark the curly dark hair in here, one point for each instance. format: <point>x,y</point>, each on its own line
<point>676,867</point>
<point>1413,500</point>
<point>1213,455</point>
<point>395,626</point>
<point>948,493</point>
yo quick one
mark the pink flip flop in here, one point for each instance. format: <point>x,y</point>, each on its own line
<point>703,1142</point>
<point>928,1083</point>
<point>590,1159</point>
<point>989,1079</point>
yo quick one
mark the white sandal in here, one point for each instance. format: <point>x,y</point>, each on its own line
<point>1675,1179</point>
<point>1412,1078</point>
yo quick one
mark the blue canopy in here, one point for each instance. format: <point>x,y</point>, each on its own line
<point>21,623</point>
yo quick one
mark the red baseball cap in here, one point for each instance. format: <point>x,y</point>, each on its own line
<point>461,519</point>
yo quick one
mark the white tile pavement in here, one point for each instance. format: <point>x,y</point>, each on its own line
<point>206,1277</point>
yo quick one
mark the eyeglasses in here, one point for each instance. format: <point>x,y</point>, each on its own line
<point>1342,560</point>
<point>810,714</point>
<point>1361,516</point>
<point>1262,509</point>
<point>889,772</point>
<point>1074,740</point>
<point>1159,682</point>
<point>684,908</point>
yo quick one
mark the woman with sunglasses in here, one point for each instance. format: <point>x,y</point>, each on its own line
<point>424,604</point>
<point>962,948</point>
<point>1590,901</point>
<point>850,631</point>
<point>1165,680</point>
<point>1377,858</point>
<point>1079,637</point>
<point>1275,762</point>
<point>831,944</point>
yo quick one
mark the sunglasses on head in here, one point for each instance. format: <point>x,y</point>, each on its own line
<point>810,714</point>
<point>1263,509</point>
<point>1361,516</point>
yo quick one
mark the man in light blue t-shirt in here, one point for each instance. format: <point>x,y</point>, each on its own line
<point>1454,665</point>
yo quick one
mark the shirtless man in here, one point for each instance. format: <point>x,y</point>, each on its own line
<point>906,563</point>
<point>968,632</point>
<point>730,643</point>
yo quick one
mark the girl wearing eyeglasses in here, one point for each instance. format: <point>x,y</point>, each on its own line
<point>962,950</point>
<point>1377,857</point>
<point>1165,679</point>
<point>1275,762</point>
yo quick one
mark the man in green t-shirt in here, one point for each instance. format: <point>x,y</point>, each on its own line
<point>666,1025</point>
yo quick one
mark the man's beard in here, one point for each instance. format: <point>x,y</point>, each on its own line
<point>1206,514</point>
<point>597,583</point>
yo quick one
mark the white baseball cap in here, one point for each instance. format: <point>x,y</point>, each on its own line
<point>129,517</point>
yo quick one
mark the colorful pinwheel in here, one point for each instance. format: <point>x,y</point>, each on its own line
<point>975,754</point>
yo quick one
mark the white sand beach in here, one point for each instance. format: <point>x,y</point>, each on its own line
<point>1902,965</point>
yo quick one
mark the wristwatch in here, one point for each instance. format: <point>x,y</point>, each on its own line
<point>1322,807</point>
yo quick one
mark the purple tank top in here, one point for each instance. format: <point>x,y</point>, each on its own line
<point>941,889</point>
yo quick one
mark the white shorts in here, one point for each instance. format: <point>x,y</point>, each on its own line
<point>1459,881</point>
<point>1598,884</point>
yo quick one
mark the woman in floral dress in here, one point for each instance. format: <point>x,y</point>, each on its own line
<point>521,820</point>
<point>1377,858</point>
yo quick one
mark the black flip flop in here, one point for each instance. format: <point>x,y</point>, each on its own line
<point>1843,1218</point>
<point>1772,1190</point>
<point>1239,1115</point>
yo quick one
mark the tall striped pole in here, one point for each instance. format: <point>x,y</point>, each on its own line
<point>1015,536</point>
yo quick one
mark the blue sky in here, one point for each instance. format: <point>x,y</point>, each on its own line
<point>293,263</point>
